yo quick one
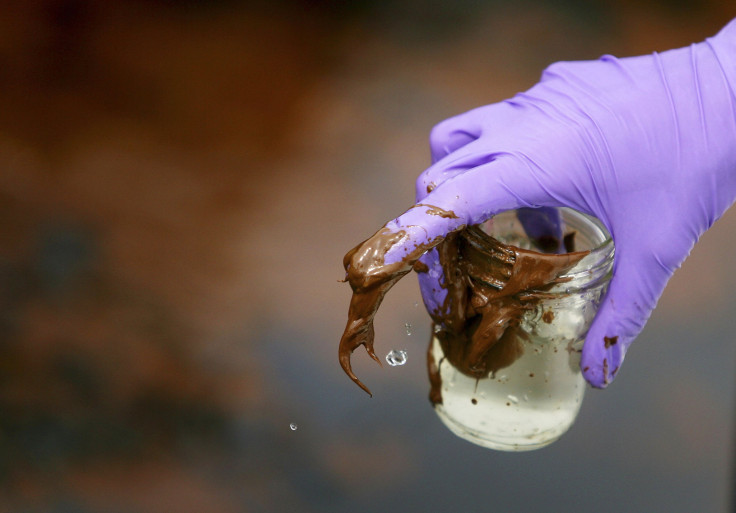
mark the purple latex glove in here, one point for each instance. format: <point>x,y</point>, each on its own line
<point>645,144</point>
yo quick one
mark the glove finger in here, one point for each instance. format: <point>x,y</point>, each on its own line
<point>468,198</point>
<point>501,183</point>
<point>430,282</point>
<point>452,134</point>
<point>471,155</point>
<point>625,309</point>
<point>544,225</point>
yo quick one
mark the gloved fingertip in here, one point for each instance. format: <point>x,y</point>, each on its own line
<point>602,358</point>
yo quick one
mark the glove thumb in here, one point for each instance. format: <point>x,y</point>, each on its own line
<point>625,309</point>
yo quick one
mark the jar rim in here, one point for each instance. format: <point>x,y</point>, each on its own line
<point>598,257</point>
<point>594,267</point>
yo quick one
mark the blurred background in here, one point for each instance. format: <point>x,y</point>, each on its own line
<point>179,181</point>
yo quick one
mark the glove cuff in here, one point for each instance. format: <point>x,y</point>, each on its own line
<point>724,46</point>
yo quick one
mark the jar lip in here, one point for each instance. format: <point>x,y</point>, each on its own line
<point>595,265</point>
<point>573,219</point>
<point>598,257</point>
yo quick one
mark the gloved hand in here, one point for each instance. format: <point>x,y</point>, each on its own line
<point>645,144</point>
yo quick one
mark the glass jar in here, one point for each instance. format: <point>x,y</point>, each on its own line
<point>534,400</point>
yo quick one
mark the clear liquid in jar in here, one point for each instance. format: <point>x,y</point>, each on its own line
<point>526,406</point>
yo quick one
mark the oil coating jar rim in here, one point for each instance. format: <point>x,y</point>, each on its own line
<point>597,265</point>
<point>594,269</point>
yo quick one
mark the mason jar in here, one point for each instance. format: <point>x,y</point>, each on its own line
<point>534,400</point>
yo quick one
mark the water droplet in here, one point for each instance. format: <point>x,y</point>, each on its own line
<point>513,399</point>
<point>416,304</point>
<point>396,357</point>
<point>293,426</point>
<point>437,328</point>
<point>526,397</point>
<point>408,328</point>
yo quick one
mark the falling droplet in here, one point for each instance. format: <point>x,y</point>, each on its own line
<point>408,328</point>
<point>513,399</point>
<point>293,426</point>
<point>396,357</point>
